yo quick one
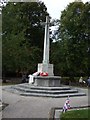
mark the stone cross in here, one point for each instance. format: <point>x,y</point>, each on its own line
<point>46,42</point>
<point>45,66</point>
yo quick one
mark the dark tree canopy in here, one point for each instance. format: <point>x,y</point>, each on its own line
<point>22,35</point>
<point>74,36</point>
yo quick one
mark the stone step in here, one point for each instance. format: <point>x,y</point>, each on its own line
<point>43,94</point>
<point>54,95</point>
<point>51,88</point>
<point>55,92</point>
<point>45,90</point>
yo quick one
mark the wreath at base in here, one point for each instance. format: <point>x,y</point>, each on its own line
<point>43,74</point>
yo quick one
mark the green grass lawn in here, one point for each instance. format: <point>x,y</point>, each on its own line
<point>83,114</point>
<point>5,84</point>
<point>11,81</point>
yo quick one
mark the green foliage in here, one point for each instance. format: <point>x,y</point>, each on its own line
<point>76,114</point>
<point>74,40</point>
<point>22,36</point>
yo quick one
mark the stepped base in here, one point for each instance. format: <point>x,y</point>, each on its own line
<point>54,92</point>
<point>47,81</point>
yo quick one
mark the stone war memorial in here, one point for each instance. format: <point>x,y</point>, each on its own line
<point>45,66</point>
<point>45,86</point>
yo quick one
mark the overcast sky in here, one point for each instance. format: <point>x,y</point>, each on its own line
<point>54,7</point>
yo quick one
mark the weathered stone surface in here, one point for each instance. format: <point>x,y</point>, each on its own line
<point>42,67</point>
<point>55,92</point>
<point>48,81</point>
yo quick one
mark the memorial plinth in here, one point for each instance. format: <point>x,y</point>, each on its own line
<point>47,81</point>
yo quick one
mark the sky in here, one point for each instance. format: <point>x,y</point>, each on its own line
<point>54,7</point>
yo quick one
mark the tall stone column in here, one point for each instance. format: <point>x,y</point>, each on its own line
<point>46,42</point>
<point>45,66</point>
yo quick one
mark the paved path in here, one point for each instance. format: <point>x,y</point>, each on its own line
<point>35,107</point>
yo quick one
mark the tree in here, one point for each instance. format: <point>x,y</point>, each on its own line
<point>22,36</point>
<point>75,34</point>
<point>74,39</point>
